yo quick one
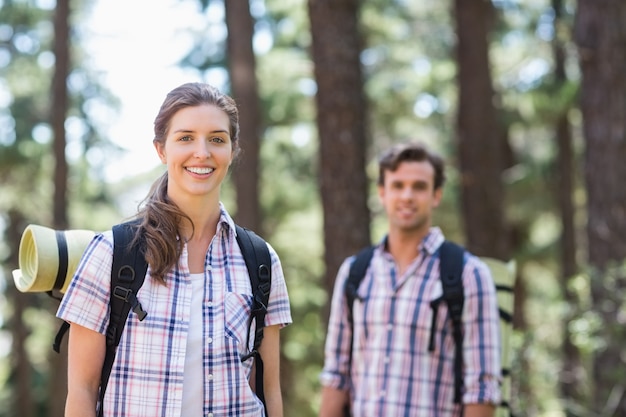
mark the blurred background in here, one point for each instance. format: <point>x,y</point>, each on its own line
<point>526,99</point>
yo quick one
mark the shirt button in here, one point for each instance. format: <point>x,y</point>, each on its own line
<point>209,415</point>
<point>209,340</point>
<point>210,376</point>
<point>208,267</point>
<point>210,303</point>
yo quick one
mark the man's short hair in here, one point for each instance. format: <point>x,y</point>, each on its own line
<point>411,152</point>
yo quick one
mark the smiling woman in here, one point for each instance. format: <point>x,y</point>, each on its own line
<point>194,342</point>
<point>138,63</point>
<point>198,151</point>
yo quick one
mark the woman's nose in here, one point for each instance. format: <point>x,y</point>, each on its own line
<point>202,150</point>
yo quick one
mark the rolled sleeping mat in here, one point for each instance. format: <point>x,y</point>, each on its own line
<point>48,258</point>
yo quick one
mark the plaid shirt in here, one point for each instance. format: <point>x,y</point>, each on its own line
<point>393,373</point>
<point>147,376</point>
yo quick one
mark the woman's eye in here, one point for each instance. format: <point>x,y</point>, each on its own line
<point>217,139</point>
<point>185,138</point>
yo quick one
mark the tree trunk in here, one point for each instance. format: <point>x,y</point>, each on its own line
<point>480,143</point>
<point>341,122</point>
<point>59,110</point>
<point>572,369</point>
<point>242,70</point>
<point>483,151</point>
<point>22,402</point>
<point>600,33</point>
<point>57,381</point>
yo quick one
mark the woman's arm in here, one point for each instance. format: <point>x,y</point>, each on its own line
<point>270,353</point>
<point>86,351</point>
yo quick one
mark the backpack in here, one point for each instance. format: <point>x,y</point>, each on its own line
<point>451,270</point>
<point>127,276</point>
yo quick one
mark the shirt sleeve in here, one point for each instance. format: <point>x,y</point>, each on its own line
<point>278,310</point>
<point>481,340</point>
<point>86,301</point>
<point>336,371</point>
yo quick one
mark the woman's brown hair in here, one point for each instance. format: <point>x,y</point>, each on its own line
<point>158,228</point>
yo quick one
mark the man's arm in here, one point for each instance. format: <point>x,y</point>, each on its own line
<point>481,340</point>
<point>337,356</point>
<point>333,403</point>
<point>479,410</point>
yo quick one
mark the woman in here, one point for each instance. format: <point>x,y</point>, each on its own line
<point>183,359</point>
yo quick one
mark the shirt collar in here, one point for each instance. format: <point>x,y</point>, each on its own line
<point>430,244</point>
<point>432,241</point>
<point>225,223</point>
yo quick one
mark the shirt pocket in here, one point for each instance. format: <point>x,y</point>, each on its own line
<point>237,308</point>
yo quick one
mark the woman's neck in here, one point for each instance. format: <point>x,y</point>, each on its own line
<point>204,218</point>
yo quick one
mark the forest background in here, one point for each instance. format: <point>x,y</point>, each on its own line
<point>526,99</point>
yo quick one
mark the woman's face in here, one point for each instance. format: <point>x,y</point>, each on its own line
<point>197,151</point>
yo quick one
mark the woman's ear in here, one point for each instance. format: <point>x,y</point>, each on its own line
<point>160,151</point>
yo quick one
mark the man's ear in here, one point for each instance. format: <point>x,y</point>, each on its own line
<point>381,192</point>
<point>160,151</point>
<point>438,195</point>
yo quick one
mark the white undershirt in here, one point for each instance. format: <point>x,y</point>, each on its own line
<point>193,381</point>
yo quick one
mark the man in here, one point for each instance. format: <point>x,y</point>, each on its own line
<point>381,365</point>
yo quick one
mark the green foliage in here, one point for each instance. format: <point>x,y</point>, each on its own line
<point>298,243</point>
<point>293,215</point>
<point>409,67</point>
<point>26,172</point>
<point>409,82</point>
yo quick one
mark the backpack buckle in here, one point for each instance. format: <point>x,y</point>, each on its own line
<point>127,295</point>
<point>122,293</point>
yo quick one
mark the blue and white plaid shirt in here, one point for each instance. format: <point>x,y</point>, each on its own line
<point>393,373</point>
<point>147,376</point>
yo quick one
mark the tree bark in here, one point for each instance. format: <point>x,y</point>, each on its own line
<point>480,144</point>
<point>242,70</point>
<point>58,363</point>
<point>59,110</point>
<point>572,369</point>
<point>341,122</point>
<point>22,402</point>
<point>600,35</point>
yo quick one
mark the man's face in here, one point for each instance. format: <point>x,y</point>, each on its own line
<point>409,197</point>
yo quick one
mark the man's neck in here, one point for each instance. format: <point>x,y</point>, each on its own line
<point>404,247</point>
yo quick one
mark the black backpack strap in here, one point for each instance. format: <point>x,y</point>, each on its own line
<point>56,346</point>
<point>259,263</point>
<point>127,276</point>
<point>357,272</point>
<point>451,272</point>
